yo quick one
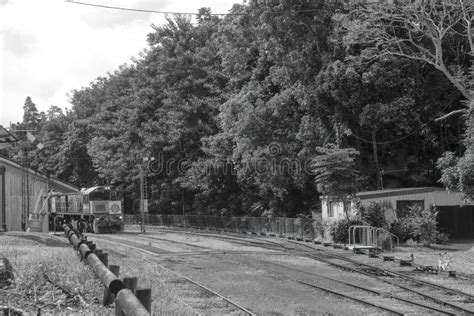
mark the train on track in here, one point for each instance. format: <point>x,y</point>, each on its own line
<point>97,209</point>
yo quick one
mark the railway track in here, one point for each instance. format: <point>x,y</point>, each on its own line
<point>444,300</point>
<point>457,301</point>
<point>155,251</point>
<point>364,295</point>
<point>314,285</point>
<point>256,241</point>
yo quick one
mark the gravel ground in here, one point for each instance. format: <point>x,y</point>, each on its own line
<point>241,273</point>
<point>462,259</point>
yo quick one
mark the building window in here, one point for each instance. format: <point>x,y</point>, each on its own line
<point>403,206</point>
<point>331,205</point>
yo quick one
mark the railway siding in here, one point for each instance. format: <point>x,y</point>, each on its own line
<point>394,302</point>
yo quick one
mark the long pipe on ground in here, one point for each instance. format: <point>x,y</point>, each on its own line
<point>123,296</point>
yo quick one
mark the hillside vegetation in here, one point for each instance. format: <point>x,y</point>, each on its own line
<point>273,105</point>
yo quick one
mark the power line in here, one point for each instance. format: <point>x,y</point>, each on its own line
<point>169,12</point>
<point>145,10</point>
<point>409,134</point>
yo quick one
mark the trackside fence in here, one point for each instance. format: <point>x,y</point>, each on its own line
<point>297,228</point>
<point>128,299</point>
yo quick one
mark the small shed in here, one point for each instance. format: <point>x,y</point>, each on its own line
<point>454,215</point>
<point>20,189</point>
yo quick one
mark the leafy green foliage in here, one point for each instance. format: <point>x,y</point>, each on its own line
<point>458,172</point>
<point>335,171</point>
<point>372,214</point>
<point>261,113</point>
<point>339,230</point>
<point>403,228</point>
<point>418,225</point>
<point>425,225</point>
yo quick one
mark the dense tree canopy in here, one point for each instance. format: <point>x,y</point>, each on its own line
<point>262,111</point>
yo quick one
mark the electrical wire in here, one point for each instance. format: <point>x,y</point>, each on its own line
<point>145,10</point>
<point>406,136</point>
<point>169,12</point>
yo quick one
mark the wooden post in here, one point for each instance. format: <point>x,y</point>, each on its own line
<point>131,284</point>
<point>109,298</point>
<point>144,296</point>
<point>104,257</point>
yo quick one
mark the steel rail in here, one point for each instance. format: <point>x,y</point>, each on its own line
<point>380,293</point>
<point>205,249</point>
<point>226,236</point>
<point>394,273</point>
<point>242,240</point>
<point>404,276</point>
<point>172,241</point>
<point>124,297</point>
<point>350,297</point>
<point>437,300</point>
<point>183,276</point>
<point>326,289</point>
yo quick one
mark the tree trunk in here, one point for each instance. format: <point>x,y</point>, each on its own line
<point>376,158</point>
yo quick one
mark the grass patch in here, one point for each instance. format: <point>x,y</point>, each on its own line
<point>48,277</point>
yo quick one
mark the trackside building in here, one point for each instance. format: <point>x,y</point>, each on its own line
<point>21,190</point>
<point>454,215</point>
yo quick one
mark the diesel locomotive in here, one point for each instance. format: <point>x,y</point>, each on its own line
<point>97,209</point>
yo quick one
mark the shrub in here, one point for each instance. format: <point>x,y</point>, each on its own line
<point>319,230</point>
<point>385,241</point>
<point>411,243</point>
<point>403,228</point>
<point>372,214</point>
<point>442,238</point>
<point>339,230</point>
<point>425,226</point>
<point>419,225</point>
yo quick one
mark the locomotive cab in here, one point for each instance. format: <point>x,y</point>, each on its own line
<point>97,209</point>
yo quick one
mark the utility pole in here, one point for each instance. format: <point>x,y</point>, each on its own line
<point>142,197</point>
<point>144,167</point>
<point>25,174</point>
<point>382,172</point>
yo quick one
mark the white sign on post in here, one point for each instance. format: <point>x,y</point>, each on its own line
<point>145,206</point>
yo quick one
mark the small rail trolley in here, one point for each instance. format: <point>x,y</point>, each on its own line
<point>98,209</point>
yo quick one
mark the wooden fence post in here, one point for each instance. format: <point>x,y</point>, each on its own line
<point>104,257</point>
<point>144,296</point>
<point>131,284</point>
<point>109,298</point>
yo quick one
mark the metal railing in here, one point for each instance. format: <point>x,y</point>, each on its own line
<point>381,235</point>
<point>297,228</point>
<point>124,297</point>
<point>361,236</point>
<point>369,236</point>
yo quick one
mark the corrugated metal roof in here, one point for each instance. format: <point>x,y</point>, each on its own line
<point>6,136</point>
<point>65,186</point>
<point>395,192</point>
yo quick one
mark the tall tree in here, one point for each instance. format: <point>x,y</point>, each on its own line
<point>31,116</point>
<point>438,33</point>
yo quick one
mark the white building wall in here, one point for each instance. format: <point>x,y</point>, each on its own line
<point>389,203</point>
<point>338,210</point>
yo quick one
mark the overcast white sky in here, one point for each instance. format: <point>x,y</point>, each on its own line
<point>51,47</point>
